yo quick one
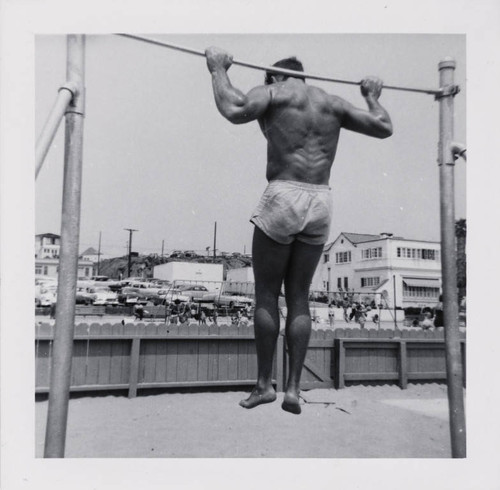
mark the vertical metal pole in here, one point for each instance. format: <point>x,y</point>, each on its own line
<point>394,291</point>
<point>99,256</point>
<point>129,266</point>
<point>448,260</point>
<point>215,239</point>
<point>55,437</point>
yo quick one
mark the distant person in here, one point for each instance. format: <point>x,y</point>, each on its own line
<point>345,306</point>
<point>238,317</point>
<point>203,317</point>
<point>248,310</point>
<point>438,313</point>
<point>360,315</point>
<point>352,315</point>
<point>427,322</point>
<point>168,312</point>
<point>301,124</point>
<point>215,315</point>
<point>138,311</point>
<point>331,315</point>
<point>53,310</point>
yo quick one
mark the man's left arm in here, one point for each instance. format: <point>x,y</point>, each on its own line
<point>233,104</point>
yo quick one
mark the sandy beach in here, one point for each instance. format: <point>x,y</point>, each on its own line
<point>355,422</point>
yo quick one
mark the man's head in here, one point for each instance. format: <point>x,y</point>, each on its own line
<point>291,63</point>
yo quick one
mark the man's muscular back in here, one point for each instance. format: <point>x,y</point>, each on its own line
<point>302,125</point>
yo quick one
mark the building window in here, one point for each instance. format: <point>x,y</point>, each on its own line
<point>38,269</point>
<point>419,292</point>
<point>326,258</point>
<point>342,257</point>
<point>369,281</point>
<point>371,253</point>
<point>339,283</point>
<point>417,253</point>
<point>45,270</point>
<point>346,282</point>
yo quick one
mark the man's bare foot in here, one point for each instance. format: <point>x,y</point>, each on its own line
<point>258,397</point>
<point>291,403</point>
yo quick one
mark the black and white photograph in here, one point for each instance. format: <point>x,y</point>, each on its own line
<point>257,246</point>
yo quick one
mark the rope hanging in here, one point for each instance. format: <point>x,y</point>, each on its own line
<point>273,69</point>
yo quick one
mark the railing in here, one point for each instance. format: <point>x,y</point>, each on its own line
<point>133,357</point>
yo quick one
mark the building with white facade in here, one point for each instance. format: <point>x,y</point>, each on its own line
<point>92,255</point>
<point>403,272</point>
<point>210,275</point>
<point>240,280</point>
<point>47,248</point>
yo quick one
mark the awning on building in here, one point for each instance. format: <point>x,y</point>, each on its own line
<point>421,282</point>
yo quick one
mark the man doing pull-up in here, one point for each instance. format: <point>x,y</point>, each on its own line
<point>301,124</point>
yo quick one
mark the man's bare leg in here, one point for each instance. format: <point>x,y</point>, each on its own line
<point>269,264</point>
<point>303,262</point>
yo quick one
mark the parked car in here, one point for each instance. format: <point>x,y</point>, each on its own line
<point>232,300</point>
<point>46,295</point>
<point>194,292</point>
<point>83,297</point>
<point>171,296</point>
<point>131,296</point>
<point>100,278</point>
<point>103,296</point>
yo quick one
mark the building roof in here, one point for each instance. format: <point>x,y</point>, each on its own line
<point>360,237</point>
<point>50,235</point>
<point>90,251</point>
<point>356,238</point>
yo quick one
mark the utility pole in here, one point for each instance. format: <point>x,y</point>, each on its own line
<point>215,239</point>
<point>99,256</point>
<point>130,230</point>
<point>162,247</point>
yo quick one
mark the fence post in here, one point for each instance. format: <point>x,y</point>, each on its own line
<point>403,367</point>
<point>134,367</point>
<point>340,363</point>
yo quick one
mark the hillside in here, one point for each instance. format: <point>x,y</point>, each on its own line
<point>143,265</point>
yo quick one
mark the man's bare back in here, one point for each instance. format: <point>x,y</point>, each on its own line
<point>302,126</point>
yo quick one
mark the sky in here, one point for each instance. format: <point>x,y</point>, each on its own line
<point>159,158</point>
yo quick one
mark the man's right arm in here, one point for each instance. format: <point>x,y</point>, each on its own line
<point>233,104</point>
<point>373,122</point>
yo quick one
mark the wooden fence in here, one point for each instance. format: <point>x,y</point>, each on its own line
<point>155,355</point>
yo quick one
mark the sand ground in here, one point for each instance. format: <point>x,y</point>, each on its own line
<point>355,422</point>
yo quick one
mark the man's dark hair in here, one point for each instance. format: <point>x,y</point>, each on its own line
<point>291,63</point>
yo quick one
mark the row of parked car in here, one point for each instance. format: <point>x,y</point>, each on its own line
<point>102,291</point>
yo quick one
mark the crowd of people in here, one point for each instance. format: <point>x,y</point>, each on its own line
<point>177,312</point>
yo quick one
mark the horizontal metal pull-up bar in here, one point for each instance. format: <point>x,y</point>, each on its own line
<point>273,69</point>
